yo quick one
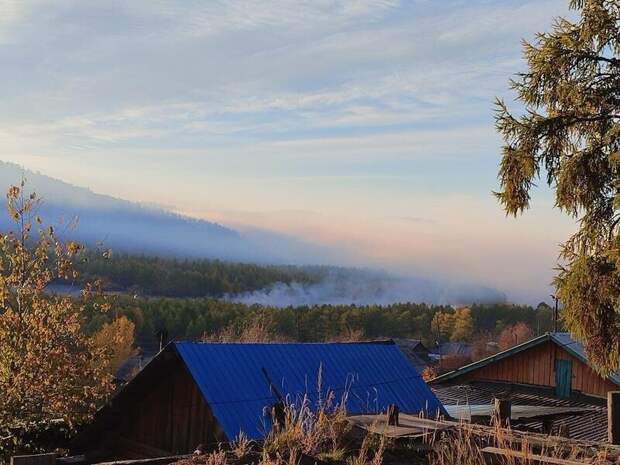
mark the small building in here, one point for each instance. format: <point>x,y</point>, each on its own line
<point>416,352</point>
<point>456,349</point>
<point>553,360</point>
<point>203,393</point>
<point>549,381</point>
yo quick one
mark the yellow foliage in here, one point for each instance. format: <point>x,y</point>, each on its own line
<point>442,325</point>
<point>463,327</point>
<point>457,326</point>
<point>116,338</point>
<point>49,368</point>
<point>256,330</point>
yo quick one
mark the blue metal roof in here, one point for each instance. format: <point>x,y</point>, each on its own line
<point>232,381</point>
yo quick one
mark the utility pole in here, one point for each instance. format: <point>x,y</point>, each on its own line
<point>162,336</point>
<point>555,314</point>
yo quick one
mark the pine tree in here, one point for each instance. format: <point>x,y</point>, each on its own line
<point>569,134</point>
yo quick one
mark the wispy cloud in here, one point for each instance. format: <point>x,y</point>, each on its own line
<point>198,18</point>
<point>12,12</point>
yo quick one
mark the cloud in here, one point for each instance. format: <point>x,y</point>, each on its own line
<point>197,18</point>
<point>319,66</point>
<point>12,13</point>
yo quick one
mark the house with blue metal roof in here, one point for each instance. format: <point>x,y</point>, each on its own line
<point>195,393</point>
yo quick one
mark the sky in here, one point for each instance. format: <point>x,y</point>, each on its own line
<point>366,126</point>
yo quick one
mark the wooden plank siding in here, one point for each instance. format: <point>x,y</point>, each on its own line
<point>172,416</point>
<point>536,366</point>
<point>37,459</point>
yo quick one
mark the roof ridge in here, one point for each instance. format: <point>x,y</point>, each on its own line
<point>374,342</point>
<point>549,336</point>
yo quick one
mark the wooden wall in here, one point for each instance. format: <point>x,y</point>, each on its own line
<point>171,417</point>
<point>585,379</point>
<point>536,366</point>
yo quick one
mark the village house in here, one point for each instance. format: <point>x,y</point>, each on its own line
<point>416,352</point>
<point>548,377</point>
<point>195,393</point>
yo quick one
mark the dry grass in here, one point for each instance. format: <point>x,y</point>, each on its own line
<point>241,446</point>
<point>371,452</point>
<point>318,431</point>
<point>217,457</point>
<point>464,446</point>
<point>322,435</point>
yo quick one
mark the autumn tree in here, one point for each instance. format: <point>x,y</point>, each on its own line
<point>49,368</point>
<point>483,345</point>
<point>569,134</point>
<point>117,339</point>
<point>462,325</point>
<point>513,335</point>
<point>255,330</point>
<point>442,325</point>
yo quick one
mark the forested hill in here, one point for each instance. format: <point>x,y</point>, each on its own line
<point>119,223</point>
<point>168,277</point>
<point>271,285</point>
<point>137,228</point>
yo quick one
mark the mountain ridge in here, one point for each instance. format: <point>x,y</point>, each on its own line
<point>126,225</point>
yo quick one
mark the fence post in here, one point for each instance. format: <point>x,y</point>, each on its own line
<point>278,416</point>
<point>392,415</point>
<point>503,408</point>
<point>564,430</point>
<point>613,417</point>
<point>547,426</point>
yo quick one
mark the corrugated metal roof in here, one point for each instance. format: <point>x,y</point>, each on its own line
<point>454,348</point>
<point>231,378</point>
<point>415,351</point>
<point>590,425</point>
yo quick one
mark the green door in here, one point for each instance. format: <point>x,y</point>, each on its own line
<point>563,377</point>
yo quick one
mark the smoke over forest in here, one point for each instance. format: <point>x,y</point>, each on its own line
<point>361,287</point>
<point>134,228</point>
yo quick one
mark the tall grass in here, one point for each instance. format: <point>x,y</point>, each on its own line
<point>317,429</point>
<point>323,437</point>
<point>464,445</point>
